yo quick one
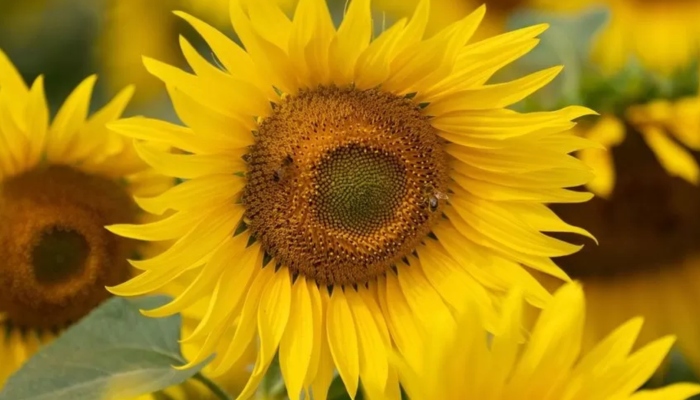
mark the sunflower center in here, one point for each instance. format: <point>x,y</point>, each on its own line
<point>57,256</point>
<point>651,220</point>
<point>344,183</point>
<point>359,188</point>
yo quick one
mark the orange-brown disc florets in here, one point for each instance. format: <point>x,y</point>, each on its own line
<point>56,255</point>
<point>343,183</point>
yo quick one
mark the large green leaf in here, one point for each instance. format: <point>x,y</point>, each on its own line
<point>113,353</point>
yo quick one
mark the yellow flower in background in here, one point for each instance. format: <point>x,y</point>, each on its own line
<point>60,183</point>
<point>663,34</point>
<point>647,219</point>
<point>464,364</point>
<point>342,191</point>
<point>56,181</point>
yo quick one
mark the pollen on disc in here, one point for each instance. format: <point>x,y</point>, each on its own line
<point>342,183</point>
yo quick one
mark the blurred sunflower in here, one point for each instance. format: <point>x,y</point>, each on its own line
<point>548,365</point>
<point>647,219</point>
<point>60,183</point>
<point>669,40</point>
<point>342,191</point>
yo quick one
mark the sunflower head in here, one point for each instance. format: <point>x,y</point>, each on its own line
<point>466,363</point>
<point>341,190</point>
<point>343,183</point>
<point>61,182</point>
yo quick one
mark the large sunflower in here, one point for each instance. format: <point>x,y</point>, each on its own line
<point>342,191</point>
<point>548,365</point>
<point>647,217</point>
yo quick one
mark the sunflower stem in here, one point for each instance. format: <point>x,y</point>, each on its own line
<point>220,393</point>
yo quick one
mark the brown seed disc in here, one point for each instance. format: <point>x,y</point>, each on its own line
<point>651,220</point>
<point>57,256</point>
<point>343,183</point>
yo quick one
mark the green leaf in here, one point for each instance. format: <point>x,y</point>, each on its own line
<point>112,353</point>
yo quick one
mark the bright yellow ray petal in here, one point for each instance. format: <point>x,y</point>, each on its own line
<point>322,359</point>
<point>352,38</point>
<point>674,158</point>
<point>236,61</point>
<point>167,133</point>
<point>210,191</point>
<point>343,341</point>
<point>190,166</point>
<point>69,118</point>
<point>298,340</point>
<point>37,120</point>
<point>493,96</point>
<point>273,316</point>
<point>373,353</point>
<point>272,61</point>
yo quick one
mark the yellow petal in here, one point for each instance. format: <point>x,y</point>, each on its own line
<point>678,391</point>
<point>190,166</point>
<point>298,341</point>
<point>69,119</point>
<point>236,61</point>
<point>208,191</point>
<point>11,81</point>
<point>343,341</point>
<point>493,96</point>
<point>168,134</point>
<point>352,38</point>
<point>675,159</point>
<point>38,120</point>
<point>373,353</point>
<point>273,315</point>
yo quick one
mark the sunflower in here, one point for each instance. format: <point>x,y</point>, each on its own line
<point>60,183</point>
<point>547,365</point>
<point>647,218</point>
<point>669,40</point>
<point>342,191</point>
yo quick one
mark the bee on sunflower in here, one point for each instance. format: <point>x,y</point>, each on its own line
<point>343,190</point>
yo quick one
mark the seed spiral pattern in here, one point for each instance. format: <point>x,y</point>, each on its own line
<point>344,183</point>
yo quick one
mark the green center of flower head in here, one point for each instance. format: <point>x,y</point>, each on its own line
<point>344,183</point>
<point>359,188</point>
<point>59,254</point>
